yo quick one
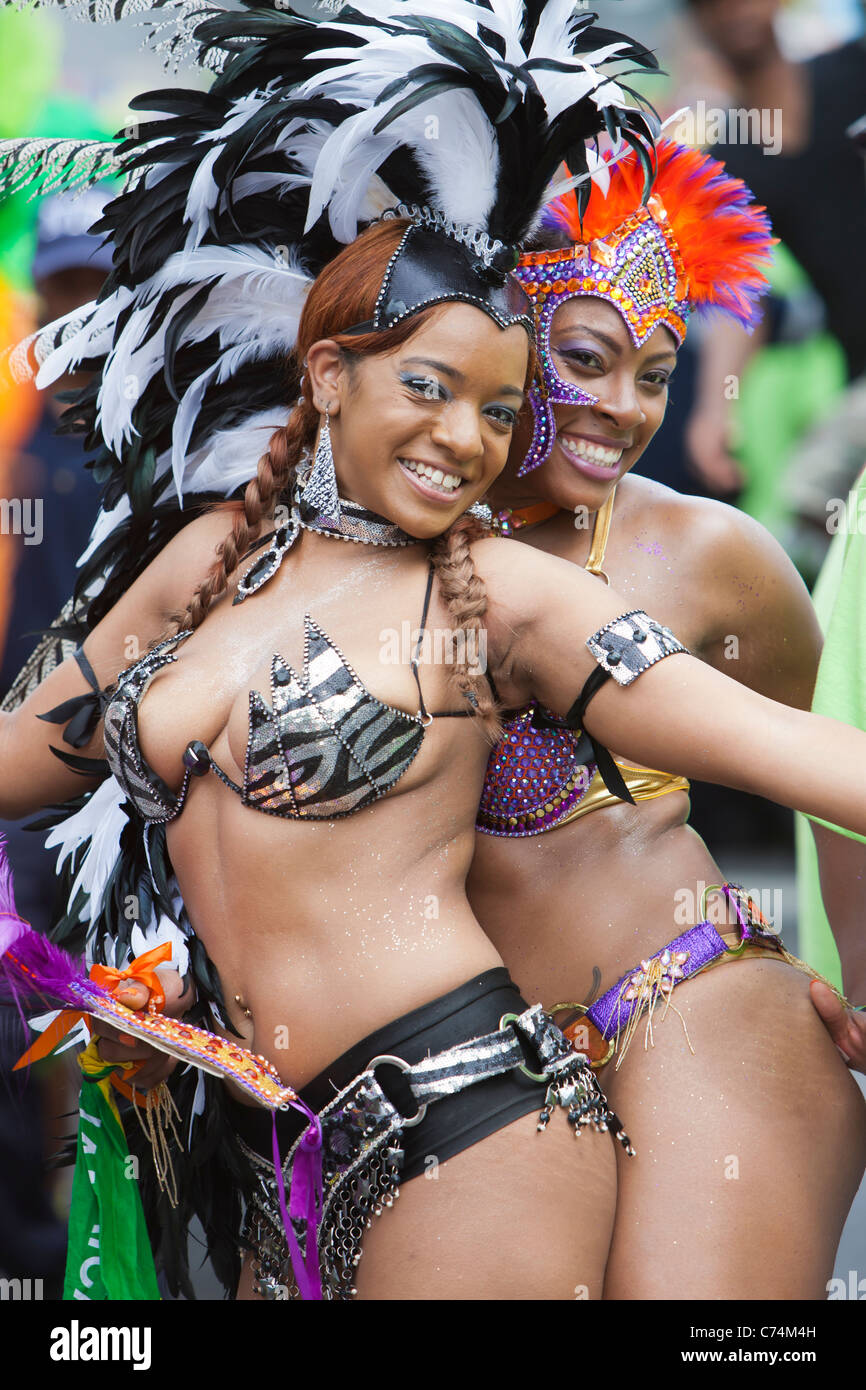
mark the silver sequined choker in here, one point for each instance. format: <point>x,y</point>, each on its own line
<point>356,524</point>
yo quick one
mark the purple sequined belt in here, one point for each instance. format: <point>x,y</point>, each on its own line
<point>657,976</point>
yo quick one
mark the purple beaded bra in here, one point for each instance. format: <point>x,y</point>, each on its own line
<point>535,777</point>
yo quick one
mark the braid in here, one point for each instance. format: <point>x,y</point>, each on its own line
<point>465,596</point>
<point>273,477</point>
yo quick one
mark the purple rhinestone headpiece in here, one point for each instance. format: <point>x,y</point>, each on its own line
<point>636,268</point>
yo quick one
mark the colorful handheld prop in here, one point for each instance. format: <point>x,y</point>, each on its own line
<point>34,972</point>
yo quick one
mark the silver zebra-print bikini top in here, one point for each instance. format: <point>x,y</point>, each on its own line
<point>323,747</point>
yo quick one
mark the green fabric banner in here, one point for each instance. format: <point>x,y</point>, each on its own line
<point>109,1255</point>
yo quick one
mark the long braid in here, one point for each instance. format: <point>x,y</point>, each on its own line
<point>465,596</point>
<point>273,478</point>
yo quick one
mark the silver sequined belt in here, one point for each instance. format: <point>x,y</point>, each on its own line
<point>361,1142</point>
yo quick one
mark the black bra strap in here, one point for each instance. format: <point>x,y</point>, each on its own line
<point>436,714</point>
<point>86,669</point>
<point>81,715</point>
<point>425,610</point>
<point>417,652</point>
<point>594,681</point>
<point>491,682</point>
<point>608,770</point>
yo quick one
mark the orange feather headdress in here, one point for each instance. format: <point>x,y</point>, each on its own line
<point>700,242</point>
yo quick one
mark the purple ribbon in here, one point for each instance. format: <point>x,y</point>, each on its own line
<point>305,1201</point>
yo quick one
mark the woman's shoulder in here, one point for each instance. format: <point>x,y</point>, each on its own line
<point>511,564</point>
<point>736,574</point>
<point>697,530</point>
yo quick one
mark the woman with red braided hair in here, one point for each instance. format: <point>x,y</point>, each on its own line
<point>287,803</point>
<point>751,1136</point>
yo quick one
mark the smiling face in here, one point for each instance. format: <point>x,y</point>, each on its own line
<point>595,445</point>
<point>420,433</point>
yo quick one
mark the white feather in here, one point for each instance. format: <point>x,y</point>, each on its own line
<point>106,522</point>
<point>598,170</point>
<point>245,185</point>
<point>230,456</point>
<point>225,367</point>
<point>198,1103</point>
<point>562,89</point>
<point>552,33</point>
<point>77,1036</point>
<point>452,139</point>
<point>343,172</point>
<point>92,339</point>
<point>462,13</point>
<point>100,821</point>
<point>161,930</point>
<point>462,162</point>
<point>184,423</point>
<point>258,297</point>
<point>202,198</point>
<point>371,68</point>
<point>204,194</point>
<point>377,199</point>
<point>138,354</point>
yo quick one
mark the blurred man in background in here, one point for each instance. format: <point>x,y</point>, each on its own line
<point>785,135</point>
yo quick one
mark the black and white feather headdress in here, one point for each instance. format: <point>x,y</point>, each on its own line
<point>234,198</point>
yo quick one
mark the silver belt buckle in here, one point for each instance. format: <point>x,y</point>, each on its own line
<point>404,1067</point>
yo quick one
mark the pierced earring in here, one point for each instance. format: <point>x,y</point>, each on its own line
<point>320,490</point>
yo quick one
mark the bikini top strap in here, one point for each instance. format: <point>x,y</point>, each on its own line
<point>610,773</point>
<point>416,655</point>
<point>600,533</point>
<point>445,713</point>
<point>80,715</point>
<point>493,691</point>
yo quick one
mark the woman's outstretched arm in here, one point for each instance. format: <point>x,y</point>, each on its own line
<point>680,715</point>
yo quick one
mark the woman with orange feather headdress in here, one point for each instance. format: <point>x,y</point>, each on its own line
<point>614,910</point>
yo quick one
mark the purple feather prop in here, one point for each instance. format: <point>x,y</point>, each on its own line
<point>34,972</point>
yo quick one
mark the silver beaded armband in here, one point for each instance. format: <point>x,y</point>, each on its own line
<point>629,645</point>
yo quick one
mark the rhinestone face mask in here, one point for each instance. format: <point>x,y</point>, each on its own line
<point>636,268</point>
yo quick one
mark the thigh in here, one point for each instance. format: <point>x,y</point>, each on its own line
<point>749,1153</point>
<point>519,1215</point>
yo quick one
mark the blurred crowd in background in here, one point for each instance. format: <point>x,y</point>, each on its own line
<point>775,423</point>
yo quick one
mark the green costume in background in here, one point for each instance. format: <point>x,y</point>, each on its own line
<point>840,692</point>
<point>786,388</point>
